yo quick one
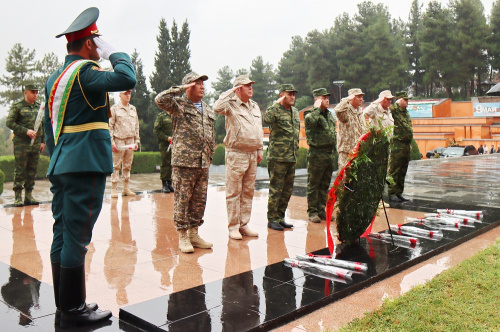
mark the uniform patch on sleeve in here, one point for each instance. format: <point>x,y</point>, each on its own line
<point>97,68</point>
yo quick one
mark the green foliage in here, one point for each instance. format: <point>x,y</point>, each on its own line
<point>20,65</point>
<point>413,50</point>
<point>7,165</point>
<point>6,145</point>
<point>145,162</point>
<point>219,128</point>
<point>302,157</point>
<point>415,153</point>
<point>291,68</point>
<point>303,102</point>
<point>358,193</point>
<point>223,82</point>
<point>219,157</point>
<point>2,181</point>
<point>263,162</point>
<point>49,64</point>
<point>493,37</point>
<point>264,89</point>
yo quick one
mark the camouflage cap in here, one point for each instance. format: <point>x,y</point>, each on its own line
<point>242,80</point>
<point>192,76</point>
<point>402,94</point>
<point>286,87</point>
<point>354,92</point>
<point>320,92</point>
<point>386,94</point>
<point>31,87</point>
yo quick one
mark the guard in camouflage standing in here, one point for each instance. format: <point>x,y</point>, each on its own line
<point>21,120</point>
<point>163,131</point>
<point>284,125</point>
<point>400,147</point>
<point>192,150</point>
<point>322,157</point>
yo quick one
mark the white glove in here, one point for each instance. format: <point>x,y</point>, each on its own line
<point>103,48</point>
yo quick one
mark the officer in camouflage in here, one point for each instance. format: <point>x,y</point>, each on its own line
<point>400,147</point>
<point>192,150</point>
<point>21,120</point>
<point>163,131</point>
<point>284,125</point>
<point>322,157</point>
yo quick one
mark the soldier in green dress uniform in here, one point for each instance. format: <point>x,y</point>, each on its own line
<point>21,120</point>
<point>77,136</point>
<point>163,131</point>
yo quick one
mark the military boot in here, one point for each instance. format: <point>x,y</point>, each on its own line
<point>126,191</point>
<point>169,184</point>
<point>164,188</point>
<point>197,241</point>
<point>18,201</point>
<point>28,198</point>
<point>184,242</point>
<point>114,189</point>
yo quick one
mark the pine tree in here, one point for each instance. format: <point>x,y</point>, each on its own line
<point>321,61</point>
<point>494,37</point>
<point>223,82</point>
<point>49,64</point>
<point>413,46</point>
<point>292,68</point>
<point>264,89</point>
<point>21,66</point>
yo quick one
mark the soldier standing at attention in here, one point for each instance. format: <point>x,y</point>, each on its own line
<point>163,131</point>
<point>284,125</point>
<point>192,150</point>
<point>322,158</point>
<point>244,142</point>
<point>21,120</point>
<point>77,136</point>
<point>400,147</point>
<point>124,130</point>
<point>351,122</point>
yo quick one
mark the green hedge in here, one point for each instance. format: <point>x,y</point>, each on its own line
<point>2,181</point>
<point>219,157</point>
<point>302,158</point>
<point>415,152</point>
<point>145,162</point>
<point>7,166</point>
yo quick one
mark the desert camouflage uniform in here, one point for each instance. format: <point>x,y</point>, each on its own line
<point>163,130</point>
<point>284,126</point>
<point>21,118</point>
<point>192,149</point>
<point>351,125</point>
<point>377,113</point>
<point>124,130</point>
<point>400,149</point>
<point>244,142</point>
<point>322,158</point>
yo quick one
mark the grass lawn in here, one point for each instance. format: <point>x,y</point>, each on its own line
<point>463,298</point>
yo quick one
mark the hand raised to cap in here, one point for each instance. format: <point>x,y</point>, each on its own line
<point>103,48</point>
<point>317,102</point>
<point>185,86</point>
<point>280,100</point>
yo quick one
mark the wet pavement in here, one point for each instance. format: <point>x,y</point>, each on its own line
<point>135,269</point>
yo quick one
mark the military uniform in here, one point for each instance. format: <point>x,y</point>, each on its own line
<point>284,126</point>
<point>21,118</point>
<point>377,113</point>
<point>322,157</point>
<point>163,130</point>
<point>244,142</point>
<point>400,148</point>
<point>123,130</point>
<point>351,125</point>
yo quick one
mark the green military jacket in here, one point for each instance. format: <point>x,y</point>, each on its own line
<point>284,126</point>
<point>163,129</point>
<point>21,118</point>
<point>403,130</point>
<point>320,130</point>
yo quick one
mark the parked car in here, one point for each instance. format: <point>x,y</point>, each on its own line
<point>439,150</point>
<point>460,151</point>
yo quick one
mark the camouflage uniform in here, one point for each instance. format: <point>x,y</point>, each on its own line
<point>400,149</point>
<point>284,126</point>
<point>21,118</point>
<point>124,130</point>
<point>322,158</point>
<point>377,113</point>
<point>163,130</point>
<point>192,149</point>
<point>351,124</point>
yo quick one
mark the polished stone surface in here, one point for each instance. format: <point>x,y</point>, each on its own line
<point>134,266</point>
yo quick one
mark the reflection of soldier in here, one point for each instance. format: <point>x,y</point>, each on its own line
<point>351,124</point>
<point>284,125</point>
<point>124,130</point>
<point>322,158</point>
<point>21,120</point>
<point>192,150</point>
<point>400,147</point>
<point>163,131</point>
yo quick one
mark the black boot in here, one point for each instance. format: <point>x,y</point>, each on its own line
<point>74,311</point>
<point>165,189</point>
<point>169,184</point>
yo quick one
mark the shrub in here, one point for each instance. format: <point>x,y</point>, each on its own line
<point>302,158</point>
<point>415,152</point>
<point>2,181</point>
<point>263,163</point>
<point>219,157</point>
<point>7,165</point>
<point>145,162</point>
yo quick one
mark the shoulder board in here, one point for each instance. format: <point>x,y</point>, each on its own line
<point>98,68</point>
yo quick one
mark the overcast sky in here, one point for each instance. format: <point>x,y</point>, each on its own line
<point>223,32</point>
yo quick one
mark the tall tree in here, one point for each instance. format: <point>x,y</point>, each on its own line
<point>172,57</point>
<point>264,89</point>
<point>292,68</point>
<point>223,82</point>
<point>321,61</point>
<point>45,67</point>
<point>494,37</point>
<point>20,65</point>
<point>413,46</point>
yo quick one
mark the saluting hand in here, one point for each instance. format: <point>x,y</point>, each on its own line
<point>280,100</point>
<point>317,103</point>
<point>103,48</point>
<point>185,86</point>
